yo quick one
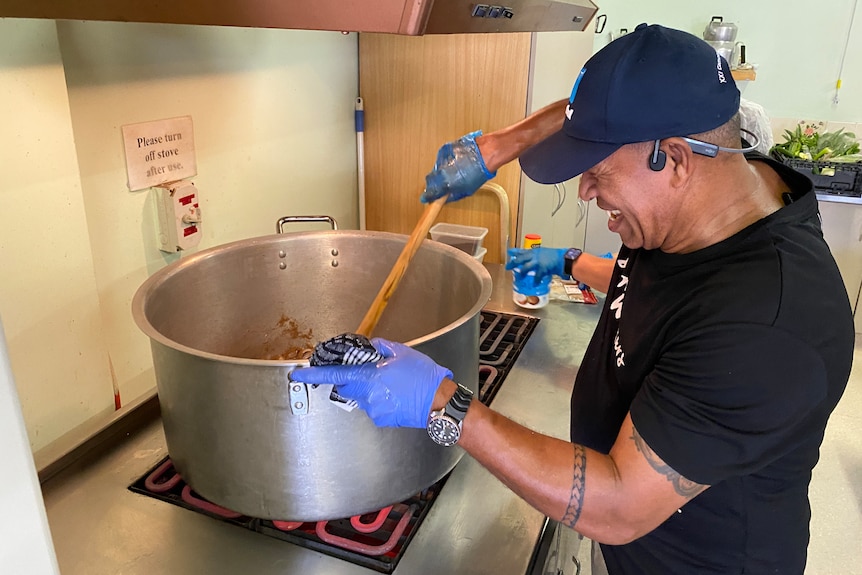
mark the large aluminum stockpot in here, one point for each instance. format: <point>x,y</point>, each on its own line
<point>245,438</point>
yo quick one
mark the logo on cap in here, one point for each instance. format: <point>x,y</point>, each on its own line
<point>569,109</point>
<point>721,78</point>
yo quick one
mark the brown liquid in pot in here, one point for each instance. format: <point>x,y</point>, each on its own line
<point>287,341</point>
<point>302,349</point>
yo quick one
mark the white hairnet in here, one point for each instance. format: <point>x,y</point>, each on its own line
<point>754,119</point>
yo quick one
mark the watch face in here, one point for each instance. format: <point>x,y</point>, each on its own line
<point>444,431</point>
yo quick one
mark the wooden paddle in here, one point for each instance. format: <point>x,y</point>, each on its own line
<point>372,316</point>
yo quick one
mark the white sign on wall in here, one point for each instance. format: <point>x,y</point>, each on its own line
<point>159,152</point>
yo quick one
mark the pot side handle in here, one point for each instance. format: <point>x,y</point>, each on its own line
<point>279,225</point>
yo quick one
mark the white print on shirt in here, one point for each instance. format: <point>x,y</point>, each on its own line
<point>617,304</point>
<point>617,308</point>
<point>623,283</point>
<point>618,350</point>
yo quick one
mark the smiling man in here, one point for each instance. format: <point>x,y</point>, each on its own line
<point>702,399</point>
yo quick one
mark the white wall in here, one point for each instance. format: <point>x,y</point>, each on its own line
<point>48,294</point>
<point>797,47</point>
<point>25,542</point>
<point>273,120</point>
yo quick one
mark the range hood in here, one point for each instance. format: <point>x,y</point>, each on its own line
<point>409,17</point>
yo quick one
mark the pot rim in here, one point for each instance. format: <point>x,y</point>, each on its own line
<point>154,280</point>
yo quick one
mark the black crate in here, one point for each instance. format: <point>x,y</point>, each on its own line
<point>835,178</point>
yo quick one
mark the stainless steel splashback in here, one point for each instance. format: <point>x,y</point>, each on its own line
<point>408,17</point>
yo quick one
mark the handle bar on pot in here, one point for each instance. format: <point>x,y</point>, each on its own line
<point>279,225</point>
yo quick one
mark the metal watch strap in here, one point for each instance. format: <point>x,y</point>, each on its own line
<point>569,259</point>
<point>460,402</point>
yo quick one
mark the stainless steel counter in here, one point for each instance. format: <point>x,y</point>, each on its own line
<point>475,527</point>
<point>839,199</point>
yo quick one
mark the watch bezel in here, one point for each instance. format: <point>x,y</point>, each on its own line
<point>452,427</point>
<point>453,414</point>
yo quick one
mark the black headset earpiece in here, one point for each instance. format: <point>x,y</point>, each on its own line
<point>657,158</point>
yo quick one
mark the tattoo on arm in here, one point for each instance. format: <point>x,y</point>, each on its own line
<point>681,485</point>
<point>576,500</point>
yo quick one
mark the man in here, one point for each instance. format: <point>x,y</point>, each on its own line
<point>725,340</point>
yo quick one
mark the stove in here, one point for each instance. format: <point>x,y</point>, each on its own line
<point>501,338</point>
<point>373,540</point>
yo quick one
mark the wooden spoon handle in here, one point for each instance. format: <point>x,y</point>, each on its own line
<point>372,316</point>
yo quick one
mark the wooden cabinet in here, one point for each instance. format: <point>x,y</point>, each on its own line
<point>420,92</point>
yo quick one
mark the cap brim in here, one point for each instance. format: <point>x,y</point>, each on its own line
<point>561,157</point>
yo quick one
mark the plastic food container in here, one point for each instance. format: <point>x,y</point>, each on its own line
<point>532,241</point>
<point>480,254</point>
<point>466,238</point>
<point>527,293</point>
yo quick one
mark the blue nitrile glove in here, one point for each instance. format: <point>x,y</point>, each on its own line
<point>530,283</point>
<point>542,261</point>
<point>397,391</point>
<point>459,171</point>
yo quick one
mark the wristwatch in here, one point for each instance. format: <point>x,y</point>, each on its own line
<point>444,426</point>
<point>569,259</point>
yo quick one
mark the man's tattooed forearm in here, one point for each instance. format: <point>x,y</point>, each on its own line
<point>576,500</point>
<point>683,486</point>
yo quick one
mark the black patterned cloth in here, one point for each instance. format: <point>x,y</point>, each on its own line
<point>345,349</point>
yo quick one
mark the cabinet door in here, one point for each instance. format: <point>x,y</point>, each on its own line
<point>420,92</point>
<point>557,59</point>
<point>553,212</point>
<point>842,229</point>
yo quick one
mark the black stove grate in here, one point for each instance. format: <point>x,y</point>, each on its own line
<point>502,337</point>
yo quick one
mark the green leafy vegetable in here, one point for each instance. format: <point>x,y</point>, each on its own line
<point>810,145</point>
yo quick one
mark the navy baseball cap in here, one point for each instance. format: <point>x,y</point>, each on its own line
<point>649,84</point>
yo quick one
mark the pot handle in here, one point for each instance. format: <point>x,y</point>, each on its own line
<point>717,19</point>
<point>299,397</point>
<point>298,393</point>
<point>279,225</point>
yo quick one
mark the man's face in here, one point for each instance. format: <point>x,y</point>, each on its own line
<point>640,205</point>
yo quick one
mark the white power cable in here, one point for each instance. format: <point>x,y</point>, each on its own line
<point>844,53</point>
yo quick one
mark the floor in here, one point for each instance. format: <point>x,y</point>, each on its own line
<point>836,488</point>
<point>835,493</point>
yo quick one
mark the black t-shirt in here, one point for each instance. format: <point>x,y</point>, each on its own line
<point>730,360</point>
